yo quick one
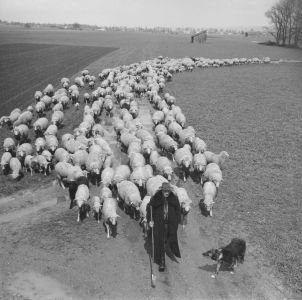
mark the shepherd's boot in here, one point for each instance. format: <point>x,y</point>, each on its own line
<point>162,265</point>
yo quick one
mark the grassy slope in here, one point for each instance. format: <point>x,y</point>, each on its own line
<point>253,112</point>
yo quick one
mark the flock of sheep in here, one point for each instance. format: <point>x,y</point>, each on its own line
<point>153,156</point>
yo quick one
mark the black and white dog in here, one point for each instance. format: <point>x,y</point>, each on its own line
<point>232,254</point>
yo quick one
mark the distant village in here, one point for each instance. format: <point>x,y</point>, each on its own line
<point>179,30</point>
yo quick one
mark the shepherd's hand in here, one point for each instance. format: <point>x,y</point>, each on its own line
<point>151,224</point>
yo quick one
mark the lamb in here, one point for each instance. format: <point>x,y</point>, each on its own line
<point>167,143</point>
<point>143,212</point>
<point>52,143</point>
<point>81,198</point>
<point>24,118</point>
<point>97,205</point>
<point>109,214</point>
<point>184,158</point>
<point>107,176</point>
<point>199,164</point>
<point>43,164</point>
<point>30,163</point>
<point>40,125</point>
<point>137,160</point>
<point>158,117</point>
<point>79,158</point>
<point>199,146</point>
<point>21,133</point>
<point>9,145</point>
<point>5,159</point>
<point>209,194</point>
<point>15,167</point>
<point>57,118</point>
<point>153,158</point>
<point>140,175</point>
<point>61,155</point>
<point>212,173</point>
<point>163,167</point>
<point>129,193</point>
<point>40,144</point>
<point>40,108</point>
<point>51,130</point>
<point>219,159</point>
<point>187,136</point>
<point>154,183</point>
<point>121,173</point>
<point>23,150</point>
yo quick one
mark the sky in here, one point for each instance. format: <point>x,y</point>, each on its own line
<point>132,13</point>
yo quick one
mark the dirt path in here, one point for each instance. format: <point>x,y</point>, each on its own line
<point>46,254</point>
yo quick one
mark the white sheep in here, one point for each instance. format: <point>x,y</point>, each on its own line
<point>212,173</point>
<point>47,101</point>
<point>38,95</point>
<point>23,150</point>
<point>57,118</point>
<point>61,155</point>
<point>58,107</point>
<point>21,133</point>
<point>6,157</point>
<point>127,137</point>
<point>98,130</point>
<point>30,163</point>
<point>15,167</point>
<point>187,136</point>
<point>158,117</point>
<point>109,214</point>
<point>219,159</point>
<point>153,158</point>
<point>143,212</point>
<point>167,143</point>
<point>199,164</point>
<point>140,175</point>
<point>9,145</point>
<point>79,158</point>
<point>184,201</point>
<point>43,164</point>
<point>163,167</point>
<point>105,192</point>
<point>51,130</point>
<point>134,147</point>
<point>94,163</point>
<point>144,135</point>
<point>24,118</point>
<point>81,198</point>
<point>40,126</point>
<point>52,143</point>
<point>40,108</point>
<point>40,144</point>
<point>174,129</point>
<point>147,147</point>
<point>49,90</point>
<point>209,194</point>
<point>47,155</point>
<point>154,183</point>
<point>180,119</point>
<point>199,146</point>
<point>121,173</point>
<point>160,128</point>
<point>184,158</point>
<point>97,205</point>
<point>107,176</point>
<point>136,160</point>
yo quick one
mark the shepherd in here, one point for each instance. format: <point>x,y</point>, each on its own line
<point>163,216</point>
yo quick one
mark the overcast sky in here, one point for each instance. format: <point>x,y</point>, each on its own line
<point>170,13</point>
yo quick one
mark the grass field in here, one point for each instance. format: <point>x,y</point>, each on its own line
<point>253,112</point>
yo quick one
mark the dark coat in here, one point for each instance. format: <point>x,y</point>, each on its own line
<point>157,203</point>
<point>73,186</point>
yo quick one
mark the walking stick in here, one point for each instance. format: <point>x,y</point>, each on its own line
<point>153,277</point>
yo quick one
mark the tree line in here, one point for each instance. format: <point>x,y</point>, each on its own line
<point>286,17</point>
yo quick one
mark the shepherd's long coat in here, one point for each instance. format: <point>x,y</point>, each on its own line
<point>157,203</point>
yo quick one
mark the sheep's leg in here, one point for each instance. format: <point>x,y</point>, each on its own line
<point>78,220</point>
<point>108,230</point>
<point>211,212</point>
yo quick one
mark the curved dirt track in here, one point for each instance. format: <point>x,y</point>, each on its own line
<point>46,254</point>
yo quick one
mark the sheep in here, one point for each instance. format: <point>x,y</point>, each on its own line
<point>58,107</point>
<point>9,145</point>
<point>129,193</point>
<point>21,133</point>
<point>163,167</point>
<point>167,143</point>
<point>40,126</point>
<point>136,160</point>
<point>185,203</point>
<point>134,147</point>
<point>118,126</point>
<point>15,167</point>
<point>74,96</point>
<point>174,129</point>
<point>107,176</point>
<point>40,108</point>
<point>98,130</point>
<point>97,205</point>
<point>199,146</point>
<point>57,118</point>
<point>108,106</point>
<point>51,130</point>
<point>105,192</point>
<point>49,90</point>
<point>43,164</point>
<point>52,143</point>
<point>48,156</point>
<point>47,101</point>
<point>209,194</point>
<point>23,150</point>
<point>79,82</point>
<point>219,159</point>
<point>144,135</point>
<point>109,214</point>
<point>126,138</point>
<point>184,158</point>
<point>30,163</point>
<point>154,183</point>
<point>143,212</point>
<point>108,162</point>
<point>140,175</point>
<point>62,170</point>
<point>40,144</point>
<point>160,128</point>
<point>199,164</point>
<point>121,173</point>
<point>5,159</point>
<point>212,173</point>
<point>158,117</point>
<point>187,136</point>
<point>61,155</point>
<point>180,119</point>
<point>81,198</point>
<point>64,100</point>
<point>38,95</point>
<point>147,147</point>
<point>94,164</point>
<point>153,158</point>
<point>79,158</point>
<point>65,138</point>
